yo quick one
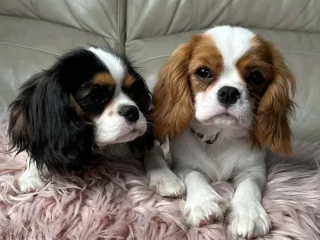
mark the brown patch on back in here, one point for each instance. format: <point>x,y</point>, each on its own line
<point>103,78</point>
<point>127,81</point>
<point>205,54</point>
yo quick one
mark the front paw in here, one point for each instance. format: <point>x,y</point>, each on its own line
<point>166,183</point>
<point>30,183</point>
<point>201,210</point>
<point>247,219</point>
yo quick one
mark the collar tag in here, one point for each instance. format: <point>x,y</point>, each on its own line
<point>201,136</point>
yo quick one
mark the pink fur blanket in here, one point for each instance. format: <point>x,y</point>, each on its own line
<point>112,201</point>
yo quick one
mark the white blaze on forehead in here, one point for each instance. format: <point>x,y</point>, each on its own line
<point>115,66</point>
<point>233,42</point>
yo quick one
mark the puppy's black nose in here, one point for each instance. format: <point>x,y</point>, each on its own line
<point>129,112</point>
<point>228,95</point>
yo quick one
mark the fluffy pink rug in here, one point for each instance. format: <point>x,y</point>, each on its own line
<point>111,201</point>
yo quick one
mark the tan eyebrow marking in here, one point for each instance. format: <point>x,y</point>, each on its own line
<point>127,81</point>
<point>103,78</point>
<point>205,54</point>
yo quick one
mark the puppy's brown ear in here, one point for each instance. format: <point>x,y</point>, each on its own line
<point>173,107</point>
<point>272,126</point>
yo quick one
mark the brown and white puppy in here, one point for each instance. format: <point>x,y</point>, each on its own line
<point>222,99</point>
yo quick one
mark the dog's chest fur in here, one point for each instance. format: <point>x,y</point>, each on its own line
<point>218,160</point>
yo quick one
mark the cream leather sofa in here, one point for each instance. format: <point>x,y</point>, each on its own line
<point>34,32</point>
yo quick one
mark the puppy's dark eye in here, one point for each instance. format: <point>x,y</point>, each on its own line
<point>204,74</point>
<point>98,96</point>
<point>138,92</point>
<point>255,78</point>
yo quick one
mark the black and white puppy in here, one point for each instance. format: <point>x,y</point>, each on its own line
<point>89,100</point>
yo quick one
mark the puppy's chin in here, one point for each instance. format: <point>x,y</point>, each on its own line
<point>226,120</point>
<point>223,119</point>
<point>125,136</point>
<point>132,135</point>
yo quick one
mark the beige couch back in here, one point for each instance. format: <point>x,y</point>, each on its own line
<point>176,16</point>
<point>103,18</point>
<point>34,32</point>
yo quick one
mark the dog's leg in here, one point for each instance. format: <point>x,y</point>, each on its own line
<point>161,178</point>
<point>30,180</point>
<point>203,203</point>
<point>246,216</point>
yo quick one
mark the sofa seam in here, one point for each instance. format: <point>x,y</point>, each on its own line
<point>30,48</point>
<point>152,58</point>
<point>167,55</point>
<point>40,9</point>
<point>61,24</point>
<point>302,53</point>
<point>119,23</point>
<point>195,15</point>
<point>204,29</point>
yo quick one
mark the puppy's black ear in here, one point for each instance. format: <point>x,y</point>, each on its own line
<point>46,122</point>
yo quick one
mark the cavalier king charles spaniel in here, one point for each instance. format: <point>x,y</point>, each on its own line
<point>222,99</point>
<point>90,101</point>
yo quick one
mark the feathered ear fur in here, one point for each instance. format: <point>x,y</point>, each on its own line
<point>45,122</point>
<point>173,105</point>
<point>272,127</point>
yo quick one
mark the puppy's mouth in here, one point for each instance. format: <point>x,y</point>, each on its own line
<point>221,117</point>
<point>125,136</point>
<point>136,130</point>
<point>225,116</point>
<point>131,134</point>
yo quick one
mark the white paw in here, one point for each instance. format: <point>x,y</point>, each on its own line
<point>30,182</point>
<point>166,183</point>
<point>247,220</point>
<point>201,210</point>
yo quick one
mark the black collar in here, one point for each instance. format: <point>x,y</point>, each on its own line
<point>201,136</point>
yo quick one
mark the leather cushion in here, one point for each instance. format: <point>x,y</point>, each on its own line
<point>105,18</point>
<point>151,18</point>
